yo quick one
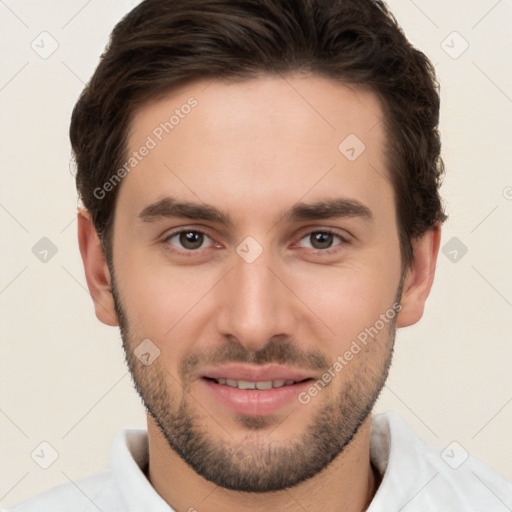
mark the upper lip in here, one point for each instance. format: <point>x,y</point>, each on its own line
<point>253,373</point>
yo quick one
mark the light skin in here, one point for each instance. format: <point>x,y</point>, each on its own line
<point>254,150</point>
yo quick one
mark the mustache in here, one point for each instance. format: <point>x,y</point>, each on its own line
<point>276,351</point>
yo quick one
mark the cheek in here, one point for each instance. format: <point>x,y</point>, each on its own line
<point>160,299</point>
<point>347,300</point>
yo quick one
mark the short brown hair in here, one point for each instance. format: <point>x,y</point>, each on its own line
<point>164,43</point>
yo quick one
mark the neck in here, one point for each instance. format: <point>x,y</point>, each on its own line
<point>348,484</point>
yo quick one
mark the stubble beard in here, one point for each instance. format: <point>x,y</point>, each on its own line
<point>256,464</point>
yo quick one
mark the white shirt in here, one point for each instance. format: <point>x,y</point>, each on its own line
<point>416,478</point>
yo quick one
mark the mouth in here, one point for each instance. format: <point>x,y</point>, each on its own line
<point>254,390</point>
<point>260,385</point>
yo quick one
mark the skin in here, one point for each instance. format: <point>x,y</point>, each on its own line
<point>254,149</point>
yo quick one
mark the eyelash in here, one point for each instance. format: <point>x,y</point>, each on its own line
<point>191,252</point>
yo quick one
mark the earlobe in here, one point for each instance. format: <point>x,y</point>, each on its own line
<point>419,277</point>
<point>96,269</point>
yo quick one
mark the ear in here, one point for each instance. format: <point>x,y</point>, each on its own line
<point>419,277</point>
<point>96,269</point>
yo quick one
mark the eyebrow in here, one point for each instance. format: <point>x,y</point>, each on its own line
<point>170,207</point>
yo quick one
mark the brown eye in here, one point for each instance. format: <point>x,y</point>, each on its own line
<point>188,239</point>
<point>322,240</point>
<point>191,239</point>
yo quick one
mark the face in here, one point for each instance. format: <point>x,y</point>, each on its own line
<point>256,251</point>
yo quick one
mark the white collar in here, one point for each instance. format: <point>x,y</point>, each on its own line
<point>129,457</point>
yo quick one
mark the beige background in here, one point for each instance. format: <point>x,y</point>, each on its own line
<point>62,373</point>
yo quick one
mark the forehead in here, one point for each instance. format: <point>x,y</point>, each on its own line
<point>256,144</point>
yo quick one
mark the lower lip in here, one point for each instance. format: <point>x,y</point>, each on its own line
<point>255,402</point>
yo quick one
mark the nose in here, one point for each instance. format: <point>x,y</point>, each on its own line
<point>255,303</point>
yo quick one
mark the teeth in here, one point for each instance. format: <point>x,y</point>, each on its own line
<point>264,385</point>
<point>244,384</point>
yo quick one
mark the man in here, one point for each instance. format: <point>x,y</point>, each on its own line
<point>261,212</point>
